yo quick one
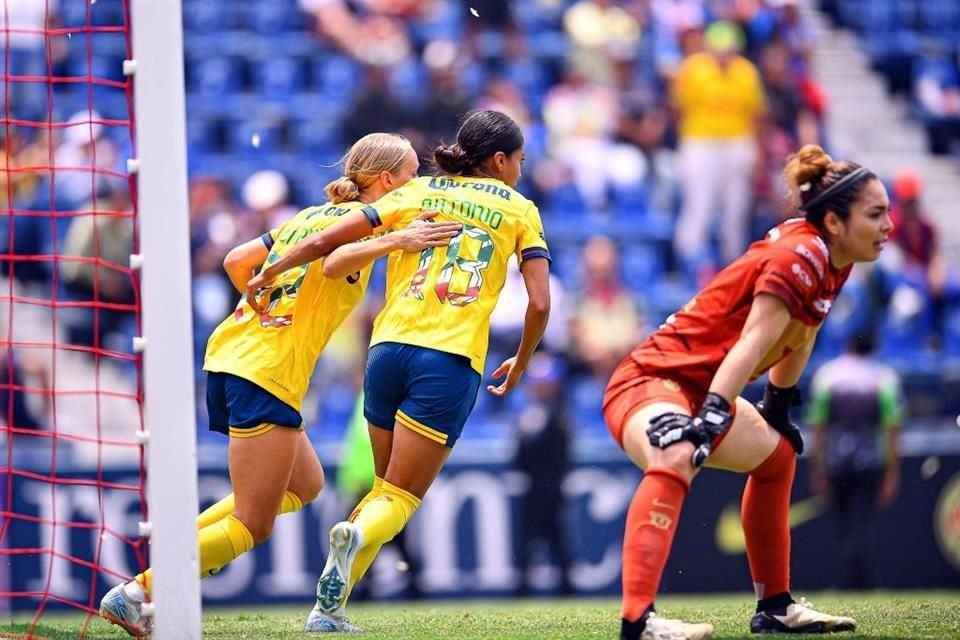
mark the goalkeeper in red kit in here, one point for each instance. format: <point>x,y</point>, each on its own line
<point>674,403</point>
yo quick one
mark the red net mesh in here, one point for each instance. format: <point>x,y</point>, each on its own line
<point>71,468</point>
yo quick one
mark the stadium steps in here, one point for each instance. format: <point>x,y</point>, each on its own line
<point>865,122</point>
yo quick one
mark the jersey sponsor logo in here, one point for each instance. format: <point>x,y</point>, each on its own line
<point>823,305</point>
<point>802,275</point>
<point>442,183</point>
<point>812,257</point>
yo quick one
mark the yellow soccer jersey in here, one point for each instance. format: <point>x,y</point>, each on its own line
<point>279,349</point>
<point>442,297</point>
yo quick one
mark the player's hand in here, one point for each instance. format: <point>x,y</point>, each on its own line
<point>255,287</point>
<point>513,374</point>
<point>422,233</point>
<point>775,409</point>
<point>713,421</point>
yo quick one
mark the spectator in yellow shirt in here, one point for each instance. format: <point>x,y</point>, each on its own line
<point>719,97</point>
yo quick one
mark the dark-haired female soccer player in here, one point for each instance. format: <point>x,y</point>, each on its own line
<point>430,340</point>
<point>259,365</point>
<point>674,404</point>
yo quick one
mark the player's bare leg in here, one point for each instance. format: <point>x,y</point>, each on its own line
<point>307,478</point>
<point>260,472</point>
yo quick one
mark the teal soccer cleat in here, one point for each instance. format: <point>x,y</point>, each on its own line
<point>334,584</point>
<point>120,609</point>
<point>336,622</point>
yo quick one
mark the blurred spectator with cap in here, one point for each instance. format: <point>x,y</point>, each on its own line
<point>543,457</point>
<point>918,241</point>
<point>719,98</point>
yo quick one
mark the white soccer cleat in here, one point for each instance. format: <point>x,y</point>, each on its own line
<point>120,609</point>
<point>657,628</point>
<point>334,583</point>
<point>668,629</point>
<point>336,622</point>
<point>799,617</point>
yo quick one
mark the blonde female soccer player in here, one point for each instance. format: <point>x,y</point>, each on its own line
<point>674,404</point>
<point>259,363</point>
<point>430,341</point>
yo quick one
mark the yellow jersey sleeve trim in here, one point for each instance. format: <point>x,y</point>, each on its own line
<point>420,428</point>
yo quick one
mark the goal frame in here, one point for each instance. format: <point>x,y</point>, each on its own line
<point>169,405</point>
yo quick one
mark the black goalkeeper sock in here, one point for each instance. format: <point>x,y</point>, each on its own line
<point>779,601</point>
<point>631,629</point>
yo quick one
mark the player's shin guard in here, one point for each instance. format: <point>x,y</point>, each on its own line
<point>221,542</point>
<point>373,493</point>
<point>384,516</point>
<point>651,524</point>
<point>366,555</point>
<point>765,512</point>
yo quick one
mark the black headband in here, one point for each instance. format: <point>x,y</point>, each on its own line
<point>837,187</point>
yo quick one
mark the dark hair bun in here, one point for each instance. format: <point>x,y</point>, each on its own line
<point>451,159</point>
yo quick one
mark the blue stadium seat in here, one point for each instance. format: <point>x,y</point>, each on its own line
<point>585,398</point>
<point>951,330</point>
<point>273,17</point>
<point>336,76</point>
<point>564,201</point>
<point>566,264</point>
<point>255,137</point>
<point>641,265</point>
<point>317,135</point>
<point>202,135</point>
<point>275,77</point>
<point>215,76</point>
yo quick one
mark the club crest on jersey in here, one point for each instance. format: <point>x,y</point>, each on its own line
<point>802,275</point>
<point>823,305</point>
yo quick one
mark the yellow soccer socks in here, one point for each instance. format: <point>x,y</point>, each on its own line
<point>221,542</point>
<point>223,508</point>
<point>380,520</point>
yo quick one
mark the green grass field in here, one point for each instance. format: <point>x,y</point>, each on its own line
<point>880,615</point>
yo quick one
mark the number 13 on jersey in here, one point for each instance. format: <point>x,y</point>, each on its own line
<point>472,266</point>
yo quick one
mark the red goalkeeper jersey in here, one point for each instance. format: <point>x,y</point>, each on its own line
<point>792,263</point>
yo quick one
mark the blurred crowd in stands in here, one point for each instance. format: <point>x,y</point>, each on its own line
<point>655,135</point>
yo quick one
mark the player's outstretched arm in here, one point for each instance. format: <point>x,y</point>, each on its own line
<point>767,321</point>
<point>352,227</point>
<point>536,278</point>
<point>242,261</point>
<point>417,236</point>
